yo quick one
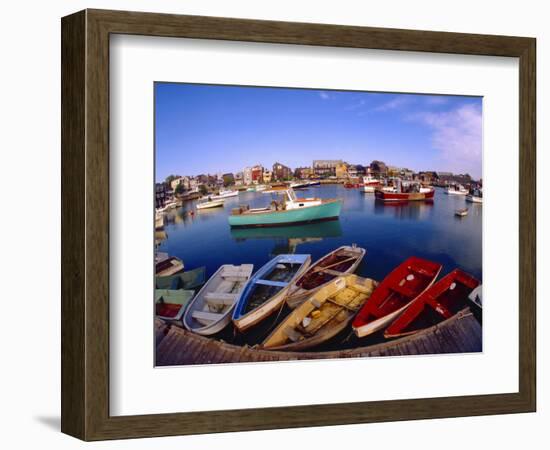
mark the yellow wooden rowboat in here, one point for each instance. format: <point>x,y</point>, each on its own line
<point>323,315</point>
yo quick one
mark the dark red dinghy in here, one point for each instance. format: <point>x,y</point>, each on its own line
<point>406,282</point>
<point>442,301</point>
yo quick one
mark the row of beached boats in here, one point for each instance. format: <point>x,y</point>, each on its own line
<point>325,297</point>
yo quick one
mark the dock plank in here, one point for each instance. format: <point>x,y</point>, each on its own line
<point>176,346</point>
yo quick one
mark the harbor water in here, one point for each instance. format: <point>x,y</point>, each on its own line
<point>389,232</point>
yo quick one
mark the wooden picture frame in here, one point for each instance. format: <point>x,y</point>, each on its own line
<point>85,224</point>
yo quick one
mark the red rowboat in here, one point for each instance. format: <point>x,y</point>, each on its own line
<point>406,282</point>
<point>442,301</point>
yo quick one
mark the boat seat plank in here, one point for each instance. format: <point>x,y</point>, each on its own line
<point>220,298</point>
<point>420,271</point>
<point>336,273</point>
<point>272,283</point>
<point>206,317</point>
<point>293,334</point>
<point>235,278</point>
<point>402,290</point>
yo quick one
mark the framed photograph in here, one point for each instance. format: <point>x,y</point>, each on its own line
<point>273,225</point>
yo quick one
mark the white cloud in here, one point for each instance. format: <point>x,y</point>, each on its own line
<point>357,105</point>
<point>436,100</point>
<point>395,103</point>
<point>324,95</point>
<point>457,135</point>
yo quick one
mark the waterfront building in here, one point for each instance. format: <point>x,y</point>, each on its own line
<point>281,172</point>
<point>253,175</point>
<point>267,176</point>
<point>160,194</point>
<point>325,167</point>
<point>238,179</point>
<point>184,181</point>
<point>303,173</point>
<point>448,178</point>
<point>378,168</point>
<point>228,179</point>
<point>427,177</point>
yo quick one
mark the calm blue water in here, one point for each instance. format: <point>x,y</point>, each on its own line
<point>390,233</point>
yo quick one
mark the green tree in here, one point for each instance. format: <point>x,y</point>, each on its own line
<point>179,189</point>
<point>170,178</point>
<point>203,190</point>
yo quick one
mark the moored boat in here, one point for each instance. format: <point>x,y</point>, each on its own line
<point>209,203</point>
<point>291,210</point>
<point>170,304</point>
<point>323,315</point>
<point>211,309</point>
<point>190,279</point>
<point>344,260</point>
<point>405,192</point>
<point>475,196</point>
<point>475,297</point>
<point>440,302</point>
<point>406,282</point>
<point>171,204</point>
<point>456,190</point>
<point>266,290</point>
<point>300,185</point>
<point>159,221</point>
<point>224,194</point>
<point>461,212</point>
<point>370,184</point>
<point>166,265</point>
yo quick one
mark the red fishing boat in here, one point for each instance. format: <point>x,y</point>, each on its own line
<point>406,282</point>
<point>442,301</point>
<point>351,185</point>
<point>405,191</point>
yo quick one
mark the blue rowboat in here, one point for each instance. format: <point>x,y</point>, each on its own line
<point>266,290</point>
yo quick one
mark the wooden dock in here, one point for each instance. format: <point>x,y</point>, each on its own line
<point>176,346</point>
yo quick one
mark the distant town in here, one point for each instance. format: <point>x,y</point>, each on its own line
<point>327,171</point>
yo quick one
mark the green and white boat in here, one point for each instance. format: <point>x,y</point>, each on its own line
<point>291,210</point>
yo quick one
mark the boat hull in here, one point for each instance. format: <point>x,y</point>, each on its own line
<point>297,294</point>
<point>329,210</point>
<point>244,321</point>
<point>440,302</point>
<point>472,199</point>
<point>212,204</point>
<point>394,294</point>
<point>228,279</point>
<point>386,196</point>
<point>335,305</point>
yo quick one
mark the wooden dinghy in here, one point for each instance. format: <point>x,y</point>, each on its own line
<point>265,292</point>
<point>166,265</point>
<point>170,304</point>
<point>323,315</point>
<point>461,212</point>
<point>406,282</point>
<point>190,279</point>
<point>342,261</point>
<point>210,311</point>
<point>440,302</point>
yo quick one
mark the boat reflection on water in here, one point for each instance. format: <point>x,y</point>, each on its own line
<point>405,210</point>
<point>288,238</point>
<point>160,235</point>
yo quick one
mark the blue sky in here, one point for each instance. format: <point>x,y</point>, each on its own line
<point>212,128</point>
